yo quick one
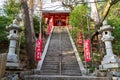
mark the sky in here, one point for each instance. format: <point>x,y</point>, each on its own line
<point>1,3</point>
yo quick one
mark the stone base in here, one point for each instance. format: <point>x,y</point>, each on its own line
<point>113,73</point>
<point>110,66</point>
<point>110,62</point>
<point>110,59</point>
<point>12,65</point>
<point>102,69</point>
<point>115,78</point>
<point>12,58</point>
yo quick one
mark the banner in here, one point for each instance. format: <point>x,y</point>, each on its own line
<point>87,50</point>
<point>50,26</point>
<point>38,49</point>
<point>80,38</point>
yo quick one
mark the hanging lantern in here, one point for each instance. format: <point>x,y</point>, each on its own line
<point>87,50</point>
<point>80,38</point>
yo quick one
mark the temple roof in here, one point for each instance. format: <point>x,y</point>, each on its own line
<point>55,7</point>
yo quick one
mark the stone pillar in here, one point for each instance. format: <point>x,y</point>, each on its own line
<point>14,30</point>
<point>66,21</point>
<point>110,60</point>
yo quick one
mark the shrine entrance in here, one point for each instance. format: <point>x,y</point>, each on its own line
<point>58,19</point>
<point>60,22</point>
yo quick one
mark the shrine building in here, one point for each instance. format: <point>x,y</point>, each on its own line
<point>57,12</point>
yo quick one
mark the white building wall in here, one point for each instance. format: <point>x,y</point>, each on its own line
<point>46,1</point>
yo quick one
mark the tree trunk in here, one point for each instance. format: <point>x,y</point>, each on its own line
<point>28,35</point>
<point>40,15</point>
<point>31,10</point>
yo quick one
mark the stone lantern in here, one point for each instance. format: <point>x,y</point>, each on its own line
<point>14,31</point>
<point>110,60</point>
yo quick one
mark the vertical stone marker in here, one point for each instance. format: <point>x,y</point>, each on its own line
<point>2,64</point>
<point>14,31</point>
<point>110,60</point>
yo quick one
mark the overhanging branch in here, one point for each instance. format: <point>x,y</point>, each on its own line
<point>110,3</point>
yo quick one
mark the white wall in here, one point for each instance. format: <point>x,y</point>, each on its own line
<point>46,1</point>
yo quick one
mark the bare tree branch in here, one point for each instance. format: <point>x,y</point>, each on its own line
<point>110,3</point>
<point>68,5</point>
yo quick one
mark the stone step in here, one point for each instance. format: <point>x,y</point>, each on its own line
<point>69,52</point>
<point>49,71</point>
<point>46,61</point>
<point>52,56</point>
<point>70,62</point>
<point>73,62</point>
<point>56,66</point>
<point>54,49</point>
<point>68,55</point>
<point>50,67</point>
<point>71,72</point>
<point>52,59</point>
<point>66,48</point>
<point>71,67</point>
<point>61,77</point>
<point>50,63</point>
<point>68,44</point>
<point>55,54</point>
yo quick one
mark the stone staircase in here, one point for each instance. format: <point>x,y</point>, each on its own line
<point>60,62</point>
<point>60,58</point>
